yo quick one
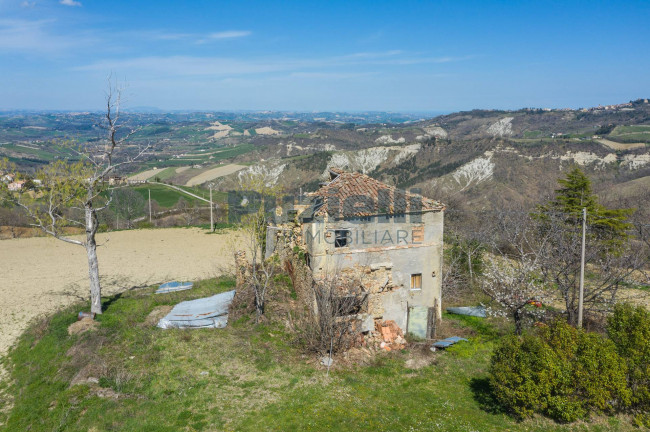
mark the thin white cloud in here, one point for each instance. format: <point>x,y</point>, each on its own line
<point>70,3</point>
<point>371,55</point>
<point>186,65</point>
<point>331,75</point>
<point>231,34</point>
<point>222,66</point>
<point>162,35</point>
<point>169,36</point>
<point>28,4</point>
<point>29,36</point>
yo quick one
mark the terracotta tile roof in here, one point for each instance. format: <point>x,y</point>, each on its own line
<point>353,194</point>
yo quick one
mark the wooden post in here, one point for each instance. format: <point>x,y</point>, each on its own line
<point>431,322</point>
<point>211,205</point>
<point>582,268</point>
<point>149,205</point>
<point>408,318</point>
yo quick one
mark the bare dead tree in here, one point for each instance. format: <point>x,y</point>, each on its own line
<point>12,219</point>
<point>640,221</point>
<point>76,188</point>
<point>455,283</point>
<point>607,268</point>
<point>330,321</point>
<point>185,211</point>
<point>466,241</point>
<point>264,263</point>
<point>127,204</point>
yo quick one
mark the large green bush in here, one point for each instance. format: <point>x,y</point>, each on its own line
<point>522,372</point>
<point>629,329</point>
<point>560,372</point>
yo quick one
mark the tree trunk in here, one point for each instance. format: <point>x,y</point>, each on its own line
<point>93,266</point>
<point>517,316</point>
<point>572,317</point>
<point>571,310</point>
<point>259,304</point>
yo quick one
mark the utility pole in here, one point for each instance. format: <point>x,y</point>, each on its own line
<point>211,206</point>
<point>582,267</point>
<point>149,205</point>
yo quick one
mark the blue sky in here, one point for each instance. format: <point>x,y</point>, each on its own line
<point>330,55</point>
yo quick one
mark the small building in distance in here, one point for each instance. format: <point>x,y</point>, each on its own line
<point>116,180</point>
<point>16,185</point>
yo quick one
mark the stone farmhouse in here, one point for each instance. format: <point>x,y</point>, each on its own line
<point>390,240</point>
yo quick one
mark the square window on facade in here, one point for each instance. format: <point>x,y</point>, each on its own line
<point>416,281</point>
<point>341,238</point>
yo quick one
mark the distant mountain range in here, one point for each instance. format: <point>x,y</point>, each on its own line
<point>481,157</point>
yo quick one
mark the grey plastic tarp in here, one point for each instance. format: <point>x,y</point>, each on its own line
<point>208,312</point>
<point>477,311</point>
<point>446,343</point>
<point>173,287</point>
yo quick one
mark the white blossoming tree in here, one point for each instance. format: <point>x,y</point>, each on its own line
<point>511,274</point>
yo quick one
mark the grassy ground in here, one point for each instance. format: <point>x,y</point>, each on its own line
<point>633,133</point>
<point>245,378</point>
<point>164,174</point>
<point>164,196</point>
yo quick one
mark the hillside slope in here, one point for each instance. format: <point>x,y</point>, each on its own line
<point>482,158</point>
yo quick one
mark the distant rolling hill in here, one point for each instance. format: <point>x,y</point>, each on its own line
<point>481,158</point>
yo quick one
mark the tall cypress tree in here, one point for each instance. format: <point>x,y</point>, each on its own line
<point>607,252</point>
<point>610,226</point>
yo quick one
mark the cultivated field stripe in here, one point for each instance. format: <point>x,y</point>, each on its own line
<point>213,174</point>
<point>621,146</point>
<point>144,175</point>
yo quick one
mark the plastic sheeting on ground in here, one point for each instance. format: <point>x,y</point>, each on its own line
<point>209,312</point>
<point>173,287</point>
<point>446,343</point>
<point>477,311</point>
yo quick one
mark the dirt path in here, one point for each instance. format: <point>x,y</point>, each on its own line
<point>41,274</point>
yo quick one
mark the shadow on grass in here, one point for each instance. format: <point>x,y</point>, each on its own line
<point>484,396</point>
<point>109,301</point>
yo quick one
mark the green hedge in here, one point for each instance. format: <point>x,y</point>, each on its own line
<point>629,328</point>
<point>567,373</point>
<point>561,372</point>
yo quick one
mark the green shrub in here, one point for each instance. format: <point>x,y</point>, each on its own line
<point>559,371</point>
<point>629,329</point>
<point>642,420</point>
<point>599,374</point>
<point>522,374</point>
<point>144,225</point>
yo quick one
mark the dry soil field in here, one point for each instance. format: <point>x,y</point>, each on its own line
<point>41,274</point>
<point>621,146</point>
<point>145,175</point>
<point>214,173</point>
